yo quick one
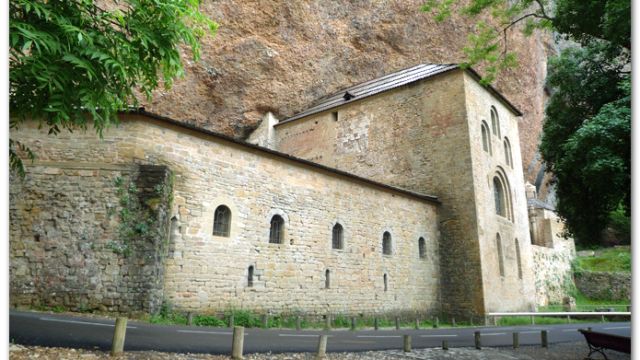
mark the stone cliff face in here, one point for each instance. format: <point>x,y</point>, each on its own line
<point>281,56</point>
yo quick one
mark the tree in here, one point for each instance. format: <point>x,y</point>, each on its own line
<point>74,63</point>
<point>582,21</point>
<point>586,141</point>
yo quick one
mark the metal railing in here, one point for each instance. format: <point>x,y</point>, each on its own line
<point>563,314</point>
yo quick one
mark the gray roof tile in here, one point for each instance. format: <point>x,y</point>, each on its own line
<point>384,83</point>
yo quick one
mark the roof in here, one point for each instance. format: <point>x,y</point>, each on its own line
<point>539,204</point>
<point>164,119</point>
<point>389,82</point>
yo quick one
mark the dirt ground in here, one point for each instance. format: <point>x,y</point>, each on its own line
<point>565,351</point>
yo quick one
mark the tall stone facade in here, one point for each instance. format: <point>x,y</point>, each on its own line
<point>221,224</point>
<point>204,272</point>
<point>426,136</point>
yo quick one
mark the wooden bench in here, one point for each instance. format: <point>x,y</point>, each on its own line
<point>598,342</point>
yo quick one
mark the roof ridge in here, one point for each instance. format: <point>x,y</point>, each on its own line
<point>374,86</point>
<point>374,80</point>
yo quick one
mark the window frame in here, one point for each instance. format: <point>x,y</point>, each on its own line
<point>486,137</point>
<point>278,220</point>
<point>251,271</point>
<point>422,248</point>
<point>508,158</point>
<point>387,244</point>
<point>337,237</point>
<point>500,254</point>
<point>224,221</point>
<point>495,122</point>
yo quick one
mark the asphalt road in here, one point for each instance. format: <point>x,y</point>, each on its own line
<point>30,328</point>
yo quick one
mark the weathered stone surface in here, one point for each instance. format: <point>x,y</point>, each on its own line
<point>604,285</point>
<point>64,228</point>
<point>209,273</point>
<point>426,137</point>
<point>553,273</point>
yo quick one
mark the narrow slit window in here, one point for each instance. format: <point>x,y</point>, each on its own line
<point>250,277</point>
<point>500,255</point>
<point>507,153</point>
<point>421,248</point>
<point>518,260</point>
<point>337,240</point>
<point>498,194</point>
<point>276,234</point>
<point>486,140</point>
<point>495,122</point>
<point>386,243</point>
<point>222,221</point>
<point>386,282</point>
<point>327,279</point>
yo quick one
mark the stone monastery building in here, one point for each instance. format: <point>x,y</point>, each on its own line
<point>401,194</point>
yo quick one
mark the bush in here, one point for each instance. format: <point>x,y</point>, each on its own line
<point>208,320</point>
<point>246,319</point>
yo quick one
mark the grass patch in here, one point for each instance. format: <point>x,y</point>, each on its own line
<point>539,320</point>
<point>617,259</point>
<point>168,319</point>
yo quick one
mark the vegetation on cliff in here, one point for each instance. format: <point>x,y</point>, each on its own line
<point>74,62</point>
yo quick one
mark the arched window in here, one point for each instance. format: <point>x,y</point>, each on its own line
<point>507,153</point>
<point>495,122</point>
<point>498,194</point>
<point>502,195</point>
<point>222,221</point>
<point>337,237</point>
<point>422,251</point>
<point>500,255</point>
<point>486,141</point>
<point>276,235</point>
<point>250,277</point>
<point>518,259</point>
<point>327,279</point>
<point>386,243</point>
<point>386,283</point>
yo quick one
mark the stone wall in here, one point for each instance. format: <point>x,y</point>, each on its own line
<point>513,290</point>
<point>203,272</point>
<point>553,273</point>
<point>424,137</point>
<point>67,238</point>
<point>604,285</point>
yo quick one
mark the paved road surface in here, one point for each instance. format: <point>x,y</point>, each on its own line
<point>30,328</point>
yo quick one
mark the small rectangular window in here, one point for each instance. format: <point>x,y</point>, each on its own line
<point>334,116</point>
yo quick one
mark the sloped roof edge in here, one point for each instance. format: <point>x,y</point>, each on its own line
<point>142,111</point>
<point>389,82</point>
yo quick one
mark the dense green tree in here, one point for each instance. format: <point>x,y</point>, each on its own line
<point>74,63</point>
<point>586,140</point>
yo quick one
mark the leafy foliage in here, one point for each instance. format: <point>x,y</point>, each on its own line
<point>138,221</point>
<point>488,45</point>
<point>580,20</point>
<point>73,62</point>
<point>208,320</point>
<point>586,140</point>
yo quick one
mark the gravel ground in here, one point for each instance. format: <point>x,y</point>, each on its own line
<point>565,351</point>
